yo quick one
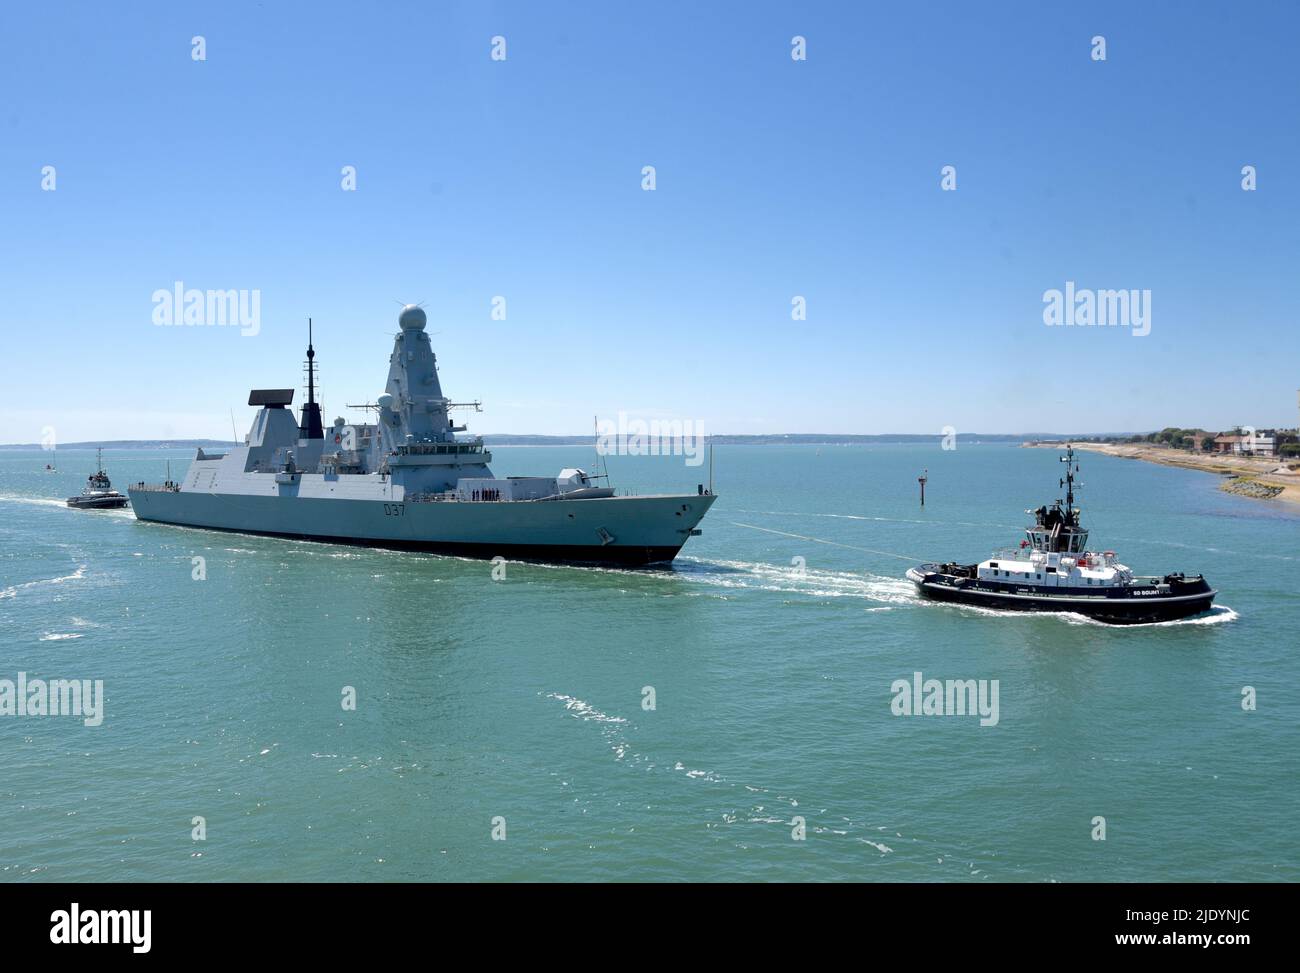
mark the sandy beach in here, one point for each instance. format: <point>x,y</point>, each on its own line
<point>1247,474</point>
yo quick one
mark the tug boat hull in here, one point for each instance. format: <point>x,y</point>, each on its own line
<point>105,501</point>
<point>1174,598</point>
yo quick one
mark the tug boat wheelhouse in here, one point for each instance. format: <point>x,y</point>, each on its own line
<point>98,493</point>
<point>1054,571</point>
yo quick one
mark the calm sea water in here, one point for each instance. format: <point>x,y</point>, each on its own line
<point>522,699</point>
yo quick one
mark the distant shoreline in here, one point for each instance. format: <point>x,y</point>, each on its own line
<point>526,439</point>
<point>1248,476</point>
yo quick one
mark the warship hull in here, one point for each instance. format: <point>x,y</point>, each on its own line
<point>627,531</point>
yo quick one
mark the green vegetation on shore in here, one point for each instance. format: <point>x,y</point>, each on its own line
<point>1193,440</point>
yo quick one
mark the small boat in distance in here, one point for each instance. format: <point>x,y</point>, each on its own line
<point>1053,571</point>
<point>98,494</point>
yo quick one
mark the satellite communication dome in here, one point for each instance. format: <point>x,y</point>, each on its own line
<point>412,318</point>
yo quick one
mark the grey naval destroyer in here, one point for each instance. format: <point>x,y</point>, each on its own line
<point>1053,571</point>
<point>407,482</point>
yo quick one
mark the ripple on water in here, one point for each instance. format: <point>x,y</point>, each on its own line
<point>13,590</point>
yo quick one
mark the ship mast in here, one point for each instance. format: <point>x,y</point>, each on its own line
<point>1068,482</point>
<point>310,427</point>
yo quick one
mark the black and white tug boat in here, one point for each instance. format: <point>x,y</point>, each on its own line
<point>1053,571</point>
<point>98,493</point>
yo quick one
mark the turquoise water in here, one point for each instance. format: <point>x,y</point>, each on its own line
<point>522,698</point>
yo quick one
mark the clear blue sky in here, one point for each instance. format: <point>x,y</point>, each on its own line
<point>522,178</point>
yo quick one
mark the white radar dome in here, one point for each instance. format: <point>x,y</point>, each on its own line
<point>412,318</point>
